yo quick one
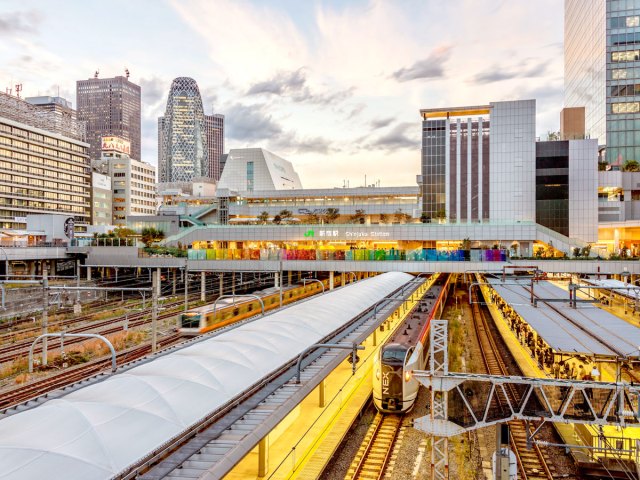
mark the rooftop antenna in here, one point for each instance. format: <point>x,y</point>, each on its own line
<point>126,72</point>
<point>8,90</point>
<point>18,89</point>
<point>97,72</point>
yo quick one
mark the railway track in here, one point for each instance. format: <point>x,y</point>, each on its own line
<point>375,456</point>
<point>532,464</point>
<point>64,378</point>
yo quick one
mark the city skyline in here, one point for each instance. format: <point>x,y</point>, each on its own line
<point>334,89</point>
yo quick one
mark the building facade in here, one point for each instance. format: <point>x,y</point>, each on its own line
<point>133,185</point>
<point>253,169</point>
<point>190,143</point>
<point>478,163</point>
<point>102,204</point>
<point>41,171</point>
<point>214,128</point>
<point>57,105</point>
<point>110,107</point>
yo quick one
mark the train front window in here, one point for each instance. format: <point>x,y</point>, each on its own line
<point>393,355</point>
<point>190,320</point>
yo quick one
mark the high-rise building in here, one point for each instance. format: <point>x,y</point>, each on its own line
<point>602,51</point>
<point>214,126</point>
<point>44,165</point>
<point>482,164</point>
<point>190,143</point>
<point>58,105</point>
<point>110,107</point>
<point>133,183</point>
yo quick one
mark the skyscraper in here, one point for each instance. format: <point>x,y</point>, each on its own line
<point>214,126</point>
<point>190,143</point>
<point>110,107</point>
<point>601,54</point>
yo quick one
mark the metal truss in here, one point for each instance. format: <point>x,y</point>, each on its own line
<point>439,368</point>
<point>462,402</point>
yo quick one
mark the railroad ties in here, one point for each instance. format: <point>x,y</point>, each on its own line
<point>376,456</point>
<point>532,464</point>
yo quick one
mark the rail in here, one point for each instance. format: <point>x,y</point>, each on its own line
<point>372,459</point>
<point>77,335</point>
<point>134,470</point>
<point>494,364</point>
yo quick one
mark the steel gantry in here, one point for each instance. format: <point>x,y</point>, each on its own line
<point>462,402</point>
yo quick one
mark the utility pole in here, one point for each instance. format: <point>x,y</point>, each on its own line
<point>45,312</point>
<point>186,288</point>
<point>154,312</point>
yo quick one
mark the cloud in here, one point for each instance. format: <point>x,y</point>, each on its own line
<point>430,68</point>
<point>250,123</point>
<point>397,138</point>
<point>12,23</point>
<point>528,68</point>
<point>381,123</point>
<point>294,85</point>
<point>153,89</point>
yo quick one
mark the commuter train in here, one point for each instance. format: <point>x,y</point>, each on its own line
<point>204,319</point>
<point>407,349</point>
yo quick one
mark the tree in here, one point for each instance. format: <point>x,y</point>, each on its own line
<point>550,251</point>
<point>358,217</point>
<point>384,218</point>
<point>586,251</point>
<point>631,166</point>
<point>124,232</point>
<point>151,235</point>
<point>401,217</point>
<point>263,218</point>
<point>602,166</point>
<point>466,244</point>
<point>576,252</point>
<point>331,215</point>
<point>285,215</point>
<point>277,219</point>
<point>312,219</point>
<point>553,136</point>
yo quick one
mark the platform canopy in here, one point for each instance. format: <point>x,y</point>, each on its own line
<point>587,330</point>
<point>99,431</point>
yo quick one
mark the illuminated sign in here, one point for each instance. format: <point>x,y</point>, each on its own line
<point>337,233</point>
<point>116,144</point>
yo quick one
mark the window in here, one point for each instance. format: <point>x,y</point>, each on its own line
<point>633,21</point>
<point>629,107</point>
<point>626,56</point>
<point>619,74</point>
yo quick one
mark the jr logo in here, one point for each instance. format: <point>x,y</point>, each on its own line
<point>308,233</point>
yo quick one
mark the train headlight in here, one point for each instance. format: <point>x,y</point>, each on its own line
<point>377,374</point>
<point>407,375</point>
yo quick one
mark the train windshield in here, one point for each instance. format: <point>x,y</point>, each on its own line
<point>393,355</point>
<point>190,320</point>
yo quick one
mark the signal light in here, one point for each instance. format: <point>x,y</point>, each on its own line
<point>377,374</point>
<point>407,376</point>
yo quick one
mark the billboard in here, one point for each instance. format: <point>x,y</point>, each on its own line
<point>116,144</point>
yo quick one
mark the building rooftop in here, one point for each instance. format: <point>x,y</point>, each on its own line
<point>446,112</point>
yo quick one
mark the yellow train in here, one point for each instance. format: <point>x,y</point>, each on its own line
<point>204,319</point>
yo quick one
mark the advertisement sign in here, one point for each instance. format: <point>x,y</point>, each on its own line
<point>69,227</point>
<point>116,144</point>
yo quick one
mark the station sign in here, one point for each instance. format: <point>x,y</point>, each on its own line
<point>346,234</point>
<point>116,144</point>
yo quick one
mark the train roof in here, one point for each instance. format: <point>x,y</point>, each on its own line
<point>617,286</point>
<point>241,297</point>
<point>101,430</point>
<point>613,336</point>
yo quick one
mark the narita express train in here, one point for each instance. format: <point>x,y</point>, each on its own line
<point>394,388</point>
<point>202,319</point>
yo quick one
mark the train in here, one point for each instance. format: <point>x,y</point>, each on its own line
<point>407,349</point>
<point>204,319</point>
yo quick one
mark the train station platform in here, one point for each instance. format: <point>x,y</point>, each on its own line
<point>283,434</point>
<point>585,330</point>
<point>571,434</point>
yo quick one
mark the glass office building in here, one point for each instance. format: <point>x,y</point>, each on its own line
<point>602,72</point>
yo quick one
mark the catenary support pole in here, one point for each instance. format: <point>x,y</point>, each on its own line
<point>154,311</point>
<point>202,286</point>
<point>45,312</point>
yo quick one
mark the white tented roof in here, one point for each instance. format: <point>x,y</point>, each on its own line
<point>98,431</point>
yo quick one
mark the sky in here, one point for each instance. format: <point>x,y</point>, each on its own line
<point>333,86</point>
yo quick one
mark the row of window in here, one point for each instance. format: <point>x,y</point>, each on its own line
<point>16,167</point>
<point>626,56</point>
<point>627,107</point>
<point>6,177</point>
<point>625,90</point>
<point>37,137</point>
<point>43,205</point>
<point>625,22</point>
<point>28,192</point>
<point>42,161</point>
